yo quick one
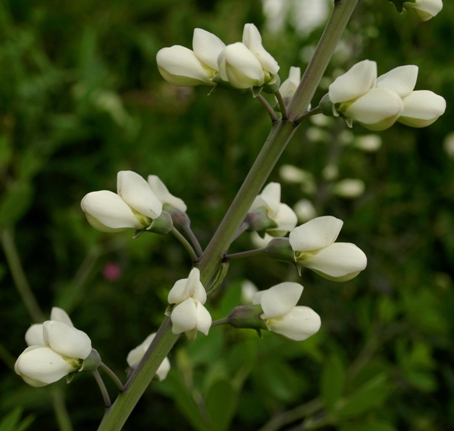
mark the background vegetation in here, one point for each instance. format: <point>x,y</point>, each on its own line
<point>81,99</point>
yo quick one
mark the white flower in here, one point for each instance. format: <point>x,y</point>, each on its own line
<point>181,66</point>
<point>349,188</point>
<point>133,206</point>
<point>289,86</point>
<point>420,108</point>
<point>314,248</point>
<point>356,97</point>
<point>281,214</point>
<point>240,67</point>
<point>305,210</point>
<point>163,194</point>
<point>368,143</point>
<point>253,40</point>
<point>189,315</point>
<point>136,355</point>
<point>423,10</point>
<point>55,350</point>
<point>283,316</point>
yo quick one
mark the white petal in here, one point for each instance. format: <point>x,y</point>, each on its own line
<point>424,9</point>
<point>66,340</point>
<point>203,318</point>
<point>315,234</point>
<point>289,86</point>
<point>179,66</point>
<point>422,108</point>
<point>163,194</point>
<point>270,198</point>
<point>285,219</point>
<point>240,67</point>
<point>253,40</point>
<point>40,366</point>
<point>179,292</point>
<point>354,83</point>
<point>136,192</point>
<point>184,316</point>
<point>34,335</point>
<point>107,212</point>
<point>196,289</point>
<point>378,109</point>
<point>280,299</point>
<point>299,324</point>
<point>136,355</point>
<point>207,47</point>
<point>338,262</point>
<point>163,369</point>
<point>60,315</point>
<point>401,80</point>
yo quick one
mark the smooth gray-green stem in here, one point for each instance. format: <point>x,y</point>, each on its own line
<point>210,261</point>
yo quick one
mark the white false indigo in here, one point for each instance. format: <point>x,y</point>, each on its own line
<point>133,206</point>
<point>267,213</point>
<point>55,350</point>
<point>189,315</point>
<point>163,194</point>
<point>253,40</point>
<point>355,97</point>
<point>289,86</point>
<point>240,67</point>
<point>136,355</point>
<point>282,315</point>
<point>423,10</point>
<point>181,66</point>
<point>314,247</point>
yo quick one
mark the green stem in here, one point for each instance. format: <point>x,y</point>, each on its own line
<point>112,375</point>
<point>282,106</point>
<point>18,274</point>
<point>267,106</point>
<point>342,12</point>
<point>185,244</point>
<point>247,253</point>
<point>308,114</point>
<point>102,388</point>
<point>218,322</point>
<point>211,259</point>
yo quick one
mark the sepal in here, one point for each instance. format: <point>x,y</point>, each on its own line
<point>92,362</point>
<point>161,225</point>
<point>280,249</point>
<point>247,316</point>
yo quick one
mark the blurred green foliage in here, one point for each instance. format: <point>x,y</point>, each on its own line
<point>81,99</point>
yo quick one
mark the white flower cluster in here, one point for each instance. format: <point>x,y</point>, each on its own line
<point>243,64</point>
<point>55,350</point>
<point>377,103</point>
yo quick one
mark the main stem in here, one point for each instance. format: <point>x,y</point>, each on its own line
<point>210,261</point>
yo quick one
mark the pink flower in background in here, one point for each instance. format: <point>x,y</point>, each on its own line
<point>111,271</point>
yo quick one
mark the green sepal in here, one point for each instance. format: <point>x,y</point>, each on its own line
<point>272,88</point>
<point>247,316</point>
<point>327,107</point>
<point>219,277</point>
<point>259,221</point>
<point>92,362</point>
<point>400,4</point>
<point>280,249</point>
<point>70,377</point>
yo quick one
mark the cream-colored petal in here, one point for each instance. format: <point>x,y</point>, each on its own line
<point>337,261</point>
<point>136,192</point>
<point>253,40</point>
<point>422,108</point>
<point>315,234</point>
<point>163,194</point>
<point>34,335</point>
<point>424,10</point>
<point>354,83</point>
<point>289,86</point>
<point>60,315</point>
<point>203,318</point>
<point>207,47</point>
<point>108,212</point>
<point>240,67</point>
<point>66,340</point>
<point>196,289</point>
<point>285,219</point>
<point>136,355</point>
<point>280,299</point>
<point>163,369</point>
<point>40,366</point>
<point>401,80</point>
<point>299,324</point>
<point>179,292</point>
<point>184,316</point>
<point>373,108</point>
<point>180,66</point>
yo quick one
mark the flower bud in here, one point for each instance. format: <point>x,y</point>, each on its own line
<point>423,10</point>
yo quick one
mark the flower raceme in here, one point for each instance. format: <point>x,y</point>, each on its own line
<point>243,64</point>
<point>189,315</point>
<point>55,350</point>
<point>377,103</point>
<point>314,247</point>
<point>423,10</point>
<point>136,355</point>
<point>267,213</point>
<point>282,315</point>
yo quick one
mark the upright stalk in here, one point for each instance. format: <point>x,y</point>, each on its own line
<point>210,261</point>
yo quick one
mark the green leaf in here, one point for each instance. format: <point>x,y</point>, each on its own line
<point>220,403</point>
<point>400,4</point>
<point>370,395</point>
<point>333,382</point>
<point>15,203</point>
<point>11,421</point>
